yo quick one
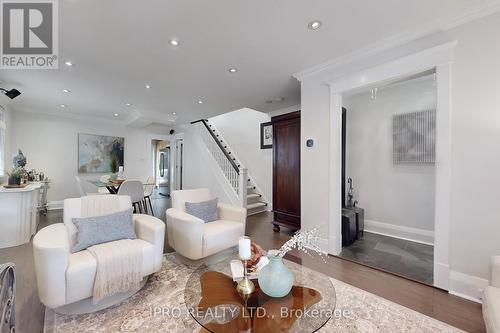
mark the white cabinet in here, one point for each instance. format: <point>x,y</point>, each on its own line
<point>18,214</point>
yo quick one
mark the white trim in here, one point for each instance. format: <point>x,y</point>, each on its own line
<point>396,69</point>
<point>467,286</point>
<point>443,24</point>
<point>397,231</point>
<point>438,57</point>
<point>55,205</point>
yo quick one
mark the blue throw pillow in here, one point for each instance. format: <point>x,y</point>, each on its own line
<point>103,229</point>
<point>205,210</point>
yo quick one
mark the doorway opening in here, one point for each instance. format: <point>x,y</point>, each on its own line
<point>177,176</point>
<point>389,176</point>
<point>161,166</point>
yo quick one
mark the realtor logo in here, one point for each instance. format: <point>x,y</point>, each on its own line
<point>29,34</point>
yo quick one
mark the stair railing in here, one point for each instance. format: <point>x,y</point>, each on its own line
<point>234,173</point>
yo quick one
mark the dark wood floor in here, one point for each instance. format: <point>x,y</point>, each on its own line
<point>430,301</point>
<point>424,299</point>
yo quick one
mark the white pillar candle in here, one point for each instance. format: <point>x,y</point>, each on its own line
<point>244,248</point>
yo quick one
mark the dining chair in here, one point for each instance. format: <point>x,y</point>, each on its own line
<point>135,190</point>
<point>149,187</point>
<point>81,189</point>
<point>103,179</point>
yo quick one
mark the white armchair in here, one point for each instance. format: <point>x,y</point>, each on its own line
<point>194,239</point>
<point>66,280</point>
<point>491,298</point>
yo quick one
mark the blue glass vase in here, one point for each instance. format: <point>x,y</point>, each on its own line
<point>275,279</point>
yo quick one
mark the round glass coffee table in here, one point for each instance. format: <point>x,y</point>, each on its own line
<point>211,299</point>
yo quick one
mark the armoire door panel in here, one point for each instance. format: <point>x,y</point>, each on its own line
<point>286,169</point>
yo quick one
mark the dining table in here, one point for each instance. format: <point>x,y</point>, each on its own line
<point>112,186</point>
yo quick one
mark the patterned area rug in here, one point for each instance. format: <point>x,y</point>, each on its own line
<point>165,290</point>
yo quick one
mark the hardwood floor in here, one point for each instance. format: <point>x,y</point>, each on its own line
<point>430,301</point>
<point>433,302</point>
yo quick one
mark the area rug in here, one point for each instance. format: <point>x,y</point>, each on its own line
<point>165,290</point>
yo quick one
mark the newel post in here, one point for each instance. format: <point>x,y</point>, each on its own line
<point>242,188</point>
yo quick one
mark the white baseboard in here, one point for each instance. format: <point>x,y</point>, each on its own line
<point>467,286</point>
<point>55,205</point>
<point>406,233</point>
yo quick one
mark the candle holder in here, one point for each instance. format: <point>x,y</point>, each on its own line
<point>245,287</point>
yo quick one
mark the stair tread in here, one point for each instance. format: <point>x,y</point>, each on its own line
<point>256,205</point>
<point>253,195</point>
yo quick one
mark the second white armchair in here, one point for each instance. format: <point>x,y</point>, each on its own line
<point>194,239</point>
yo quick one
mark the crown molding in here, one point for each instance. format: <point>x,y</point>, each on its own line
<point>468,15</point>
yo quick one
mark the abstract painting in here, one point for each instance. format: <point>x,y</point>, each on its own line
<point>99,153</point>
<point>414,137</point>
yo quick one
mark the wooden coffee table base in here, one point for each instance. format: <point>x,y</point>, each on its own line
<point>219,289</point>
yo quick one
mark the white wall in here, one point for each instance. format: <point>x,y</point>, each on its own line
<point>475,131</point>
<point>8,137</point>
<point>395,194</point>
<point>50,144</point>
<point>241,129</point>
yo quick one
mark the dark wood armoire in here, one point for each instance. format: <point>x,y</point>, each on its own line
<point>286,170</point>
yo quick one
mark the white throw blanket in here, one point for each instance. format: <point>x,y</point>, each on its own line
<point>119,267</point>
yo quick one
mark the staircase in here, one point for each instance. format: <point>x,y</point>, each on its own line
<point>247,191</point>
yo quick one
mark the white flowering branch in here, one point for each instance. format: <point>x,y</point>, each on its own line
<point>303,240</point>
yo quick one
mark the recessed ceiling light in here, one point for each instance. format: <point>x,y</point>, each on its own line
<point>116,115</point>
<point>62,105</point>
<point>200,102</point>
<point>66,90</point>
<point>174,42</point>
<point>128,104</point>
<point>68,63</point>
<point>147,86</point>
<point>314,25</point>
<point>174,113</point>
<point>233,70</point>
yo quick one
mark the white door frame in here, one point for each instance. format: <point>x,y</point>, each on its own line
<point>438,58</point>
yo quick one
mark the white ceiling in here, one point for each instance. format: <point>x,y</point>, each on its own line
<point>119,45</point>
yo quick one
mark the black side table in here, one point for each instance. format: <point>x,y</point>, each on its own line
<point>360,220</point>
